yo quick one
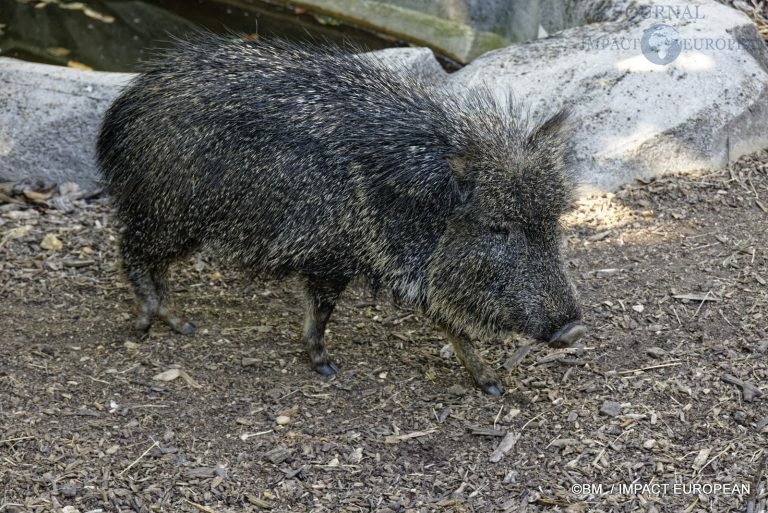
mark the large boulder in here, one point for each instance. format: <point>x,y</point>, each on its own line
<point>557,15</point>
<point>459,29</point>
<point>632,118</point>
<point>49,117</point>
<point>635,119</point>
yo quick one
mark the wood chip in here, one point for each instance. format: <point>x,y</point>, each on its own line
<point>189,381</point>
<point>199,472</point>
<point>696,297</point>
<point>393,439</point>
<point>599,236</point>
<point>487,432</point>
<point>257,502</point>
<point>748,390</point>
<point>563,442</point>
<point>174,373</point>
<point>514,360</point>
<point>246,436</point>
<point>506,445</point>
<point>277,455</point>
<point>15,233</point>
<point>200,507</point>
<point>701,459</point>
<point>78,263</point>
<point>610,408</point>
<point>168,375</point>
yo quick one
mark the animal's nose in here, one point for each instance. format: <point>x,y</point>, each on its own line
<point>568,334</point>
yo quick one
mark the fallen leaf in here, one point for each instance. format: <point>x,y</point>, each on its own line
<point>58,51</point>
<point>78,65</point>
<point>168,375</point>
<point>51,243</point>
<point>105,18</point>
<point>16,233</point>
<point>37,196</point>
<point>257,502</point>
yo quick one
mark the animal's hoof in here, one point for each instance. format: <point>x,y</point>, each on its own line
<point>326,368</point>
<point>142,325</point>
<point>185,328</point>
<point>494,389</point>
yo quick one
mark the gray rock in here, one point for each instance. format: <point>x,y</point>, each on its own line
<point>610,408</point>
<point>557,15</point>
<point>460,29</point>
<point>49,116</point>
<point>68,490</point>
<point>420,61</point>
<point>277,455</point>
<point>635,119</point>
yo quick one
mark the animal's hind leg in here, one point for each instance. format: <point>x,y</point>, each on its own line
<point>140,277</point>
<point>164,311</point>
<point>148,277</point>
<point>322,294</point>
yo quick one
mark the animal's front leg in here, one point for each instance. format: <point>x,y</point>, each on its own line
<point>322,294</point>
<point>485,378</point>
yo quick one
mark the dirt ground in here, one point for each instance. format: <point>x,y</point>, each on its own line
<point>660,408</point>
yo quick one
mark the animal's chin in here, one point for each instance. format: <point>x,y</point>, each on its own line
<point>499,329</point>
<point>485,329</point>
<point>519,331</point>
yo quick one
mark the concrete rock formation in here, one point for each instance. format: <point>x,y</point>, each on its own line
<point>633,119</point>
<point>49,117</point>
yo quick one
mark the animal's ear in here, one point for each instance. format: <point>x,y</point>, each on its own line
<point>459,165</point>
<point>464,161</point>
<point>550,128</point>
<point>462,177</point>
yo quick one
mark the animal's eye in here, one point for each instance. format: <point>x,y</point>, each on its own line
<point>500,229</point>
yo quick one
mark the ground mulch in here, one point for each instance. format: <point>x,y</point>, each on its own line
<point>661,408</point>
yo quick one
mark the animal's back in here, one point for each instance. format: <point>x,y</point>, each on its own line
<point>252,147</point>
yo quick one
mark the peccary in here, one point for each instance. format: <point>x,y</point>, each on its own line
<point>289,159</point>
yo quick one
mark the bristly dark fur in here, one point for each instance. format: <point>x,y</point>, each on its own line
<point>286,158</point>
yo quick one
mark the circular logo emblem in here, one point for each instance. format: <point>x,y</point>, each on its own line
<point>661,44</point>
